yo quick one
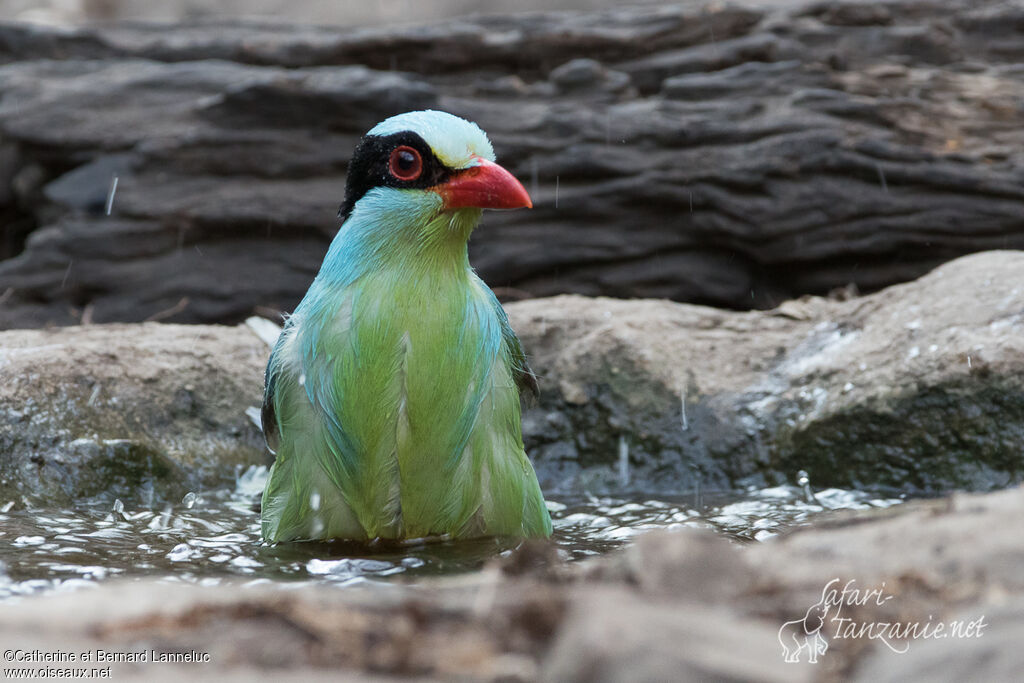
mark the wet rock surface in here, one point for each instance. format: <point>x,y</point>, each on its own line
<point>735,155</point>
<point>673,605</point>
<point>917,389</point>
<point>145,413</point>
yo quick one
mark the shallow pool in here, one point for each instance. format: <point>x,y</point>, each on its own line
<point>214,535</point>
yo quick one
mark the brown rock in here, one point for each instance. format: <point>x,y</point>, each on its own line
<point>139,412</point>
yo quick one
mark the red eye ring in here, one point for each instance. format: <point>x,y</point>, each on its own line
<point>405,163</point>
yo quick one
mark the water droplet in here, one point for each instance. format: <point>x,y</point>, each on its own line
<point>189,500</point>
<point>805,483</point>
<point>180,552</point>
<point>118,507</point>
<point>317,527</point>
<point>314,500</point>
<point>162,520</point>
<point>246,562</point>
<point>29,540</point>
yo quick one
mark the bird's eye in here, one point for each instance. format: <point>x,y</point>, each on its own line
<point>405,163</point>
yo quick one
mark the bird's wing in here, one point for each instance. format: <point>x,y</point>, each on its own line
<point>524,377</point>
<point>268,415</point>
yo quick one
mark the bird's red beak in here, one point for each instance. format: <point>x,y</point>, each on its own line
<point>484,186</point>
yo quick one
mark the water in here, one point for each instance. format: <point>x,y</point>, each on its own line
<point>214,536</point>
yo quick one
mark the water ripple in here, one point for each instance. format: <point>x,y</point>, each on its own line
<point>215,535</point>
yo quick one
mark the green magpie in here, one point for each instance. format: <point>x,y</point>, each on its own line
<point>392,394</point>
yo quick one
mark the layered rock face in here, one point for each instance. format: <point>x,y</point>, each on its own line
<point>734,155</point>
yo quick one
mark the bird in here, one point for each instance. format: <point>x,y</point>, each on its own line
<point>392,395</point>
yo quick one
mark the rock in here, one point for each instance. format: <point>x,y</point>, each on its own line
<point>994,656</point>
<point>852,13</point>
<point>144,413</point>
<point>957,559</point>
<point>695,566</point>
<point>380,632</point>
<point>935,557</point>
<point>614,636</point>
<point>582,73</point>
<point>917,389</point>
<point>725,155</point>
<point>577,73</point>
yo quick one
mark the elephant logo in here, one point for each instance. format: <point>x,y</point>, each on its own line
<point>800,634</point>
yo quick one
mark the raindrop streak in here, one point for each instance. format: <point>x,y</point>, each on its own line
<point>881,178</point>
<point>623,461</point>
<point>67,272</point>
<point>317,526</point>
<point>682,407</point>
<point>110,195</point>
<point>534,176</point>
<point>556,194</point>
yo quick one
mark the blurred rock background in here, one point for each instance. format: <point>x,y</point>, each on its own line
<point>732,154</point>
<point>339,12</point>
